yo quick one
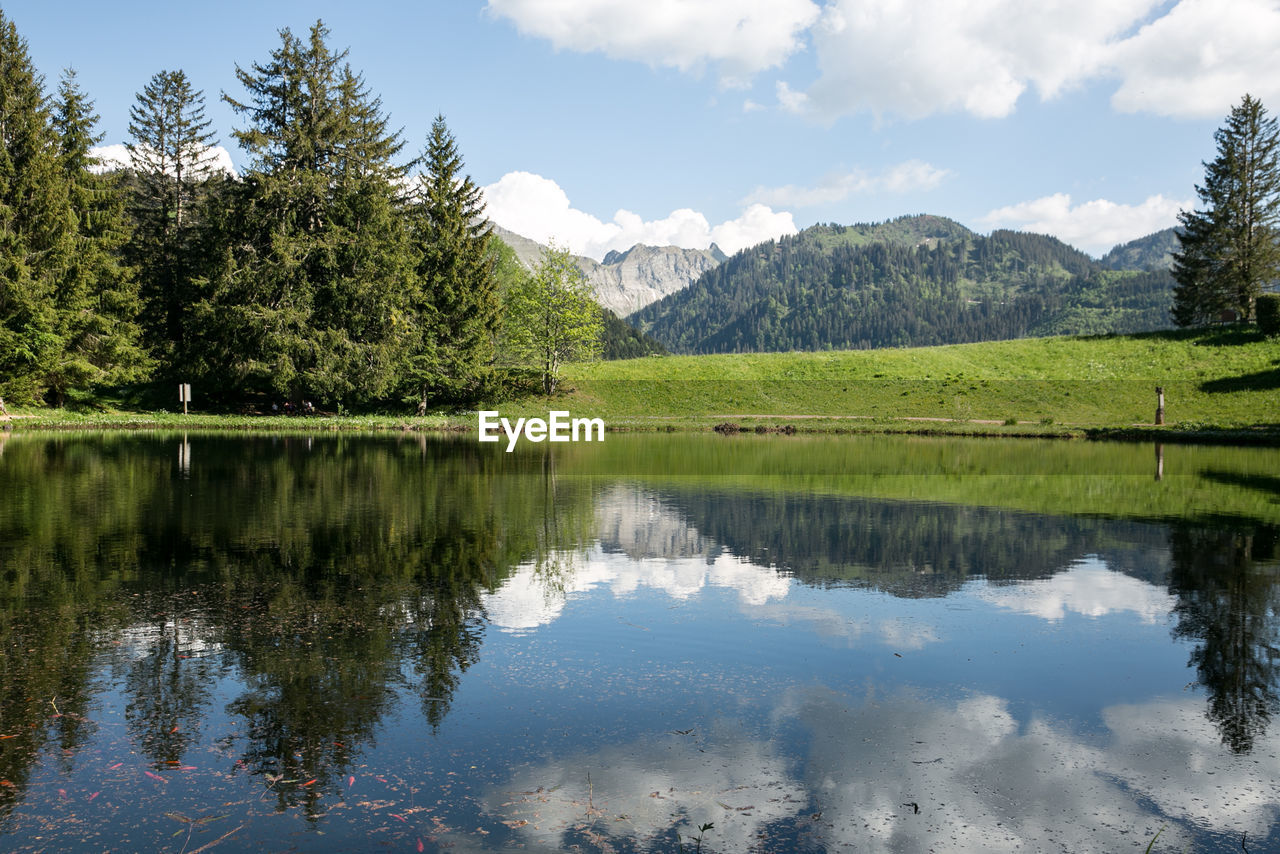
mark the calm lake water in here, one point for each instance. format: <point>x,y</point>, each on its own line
<point>803,644</point>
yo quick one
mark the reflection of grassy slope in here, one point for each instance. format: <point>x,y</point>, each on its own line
<point>1063,478</point>
<point>1102,381</point>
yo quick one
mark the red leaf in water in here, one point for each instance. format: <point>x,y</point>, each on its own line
<point>309,782</point>
<point>7,784</point>
<point>3,737</point>
<point>114,767</point>
<point>381,779</point>
<point>393,815</point>
<point>175,729</point>
<point>421,847</point>
<point>351,781</point>
<point>62,793</point>
<point>94,795</point>
<point>154,776</point>
<point>187,768</point>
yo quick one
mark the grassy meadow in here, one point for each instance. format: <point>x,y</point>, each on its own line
<point>1226,379</point>
<point>1221,382</point>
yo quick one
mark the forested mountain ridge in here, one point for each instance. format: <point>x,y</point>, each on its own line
<point>913,281</point>
<point>1155,251</point>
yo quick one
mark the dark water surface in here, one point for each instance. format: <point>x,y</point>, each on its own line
<point>810,644</point>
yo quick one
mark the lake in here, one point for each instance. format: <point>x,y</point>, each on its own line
<point>654,643</point>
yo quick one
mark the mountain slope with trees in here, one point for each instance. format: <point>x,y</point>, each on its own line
<point>913,281</point>
<point>1152,252</point>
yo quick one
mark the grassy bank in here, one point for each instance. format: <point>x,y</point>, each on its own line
<point>1223,379</point>
<point>1222,383</point>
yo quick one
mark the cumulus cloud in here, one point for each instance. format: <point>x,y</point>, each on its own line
<point>1200,58</point>
<point>537,208</point>
<point>913,58</point>
<point>916,57</point>
<point>909,176</point>
<point>742,37</point>
<point>116,156</point>
<point>1094,226</point>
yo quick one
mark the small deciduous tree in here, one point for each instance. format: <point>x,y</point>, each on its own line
<point>1231,247</point>
<point>551,318</point>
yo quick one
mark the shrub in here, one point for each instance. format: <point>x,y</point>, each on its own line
<point>1268,308</point>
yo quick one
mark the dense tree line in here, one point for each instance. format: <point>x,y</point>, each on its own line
<point>835,288</point>
<point>337,268</point>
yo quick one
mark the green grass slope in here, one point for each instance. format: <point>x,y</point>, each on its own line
<point>1228,378</point>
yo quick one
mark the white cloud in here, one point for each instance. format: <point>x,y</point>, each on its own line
<point>539,209</point>
<point>1094,226</point>
<point>116,156</point>
<point>916,57</point>
<point>909,176</point>
<point>1200,59</point>
<point>742,36</point>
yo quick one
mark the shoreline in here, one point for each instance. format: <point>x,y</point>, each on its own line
<point>726,425</point>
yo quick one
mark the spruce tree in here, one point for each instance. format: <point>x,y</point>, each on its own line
<point>456,296</point>
<point>172,163</point>
<point>307,298</point>
<point>1230,249</point>
<point>96,301</point>
<point>36,225</point>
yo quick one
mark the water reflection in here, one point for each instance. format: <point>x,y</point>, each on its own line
<point>1228,588</point>
<point>283,603</point>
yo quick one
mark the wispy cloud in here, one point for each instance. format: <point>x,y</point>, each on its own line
<point>905,177</point>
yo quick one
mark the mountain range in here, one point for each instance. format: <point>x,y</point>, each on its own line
<point>628,281</point>
<point>912,281</point>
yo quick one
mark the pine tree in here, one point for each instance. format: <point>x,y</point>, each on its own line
<point>307,298</point>
<point>1230,249</point>
<point>456,296</point>
<point>36,225</point>
<point>172,162</point>
<point>97,301</point>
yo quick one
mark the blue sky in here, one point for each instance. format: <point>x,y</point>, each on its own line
<point>601,123</point>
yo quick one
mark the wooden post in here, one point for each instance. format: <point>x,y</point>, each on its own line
<point>1159,405</point>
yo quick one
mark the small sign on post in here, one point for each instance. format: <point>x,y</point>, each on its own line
<point>184,395</point>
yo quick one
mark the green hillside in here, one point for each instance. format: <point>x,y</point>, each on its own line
<point>914,281</point>
<point>1221,378</point>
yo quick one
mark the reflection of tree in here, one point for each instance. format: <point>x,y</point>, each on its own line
<point>312,569</point>
<point>1228,588</point>
<point>907,548</point>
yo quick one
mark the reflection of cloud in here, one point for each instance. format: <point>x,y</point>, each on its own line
<point>896,632</point>
<point>531,598</point>
<point>1087,588</point>
<point>983,781</point>
<point>644,792</point>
